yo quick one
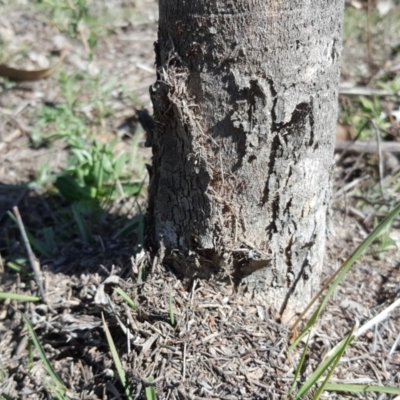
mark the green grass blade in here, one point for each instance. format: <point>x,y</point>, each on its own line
<point>150,391</point>
<point>135,224</point>
<point>49,238</point>
<point>84,231</point>
<point>16,268</point>
<point>126,297</point>
<point>60,388</point>
<point>98,170</point>
<point>351,388</point>
<point>333,366</point>
<point>117,361</point>
<point>338,276</point>
<point>300,366</point>
<point>322,368</point>
<point>18,297</point>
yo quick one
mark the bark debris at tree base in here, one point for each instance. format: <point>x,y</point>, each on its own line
<point>224,345</point>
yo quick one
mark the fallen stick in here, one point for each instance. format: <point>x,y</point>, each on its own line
<point>368,147</point>
<point>32,258</point>
<point>364,91</point>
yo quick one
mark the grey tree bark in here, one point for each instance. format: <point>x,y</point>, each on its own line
<point>245,107</point>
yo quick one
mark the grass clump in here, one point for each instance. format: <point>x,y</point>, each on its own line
<point>329,364</point>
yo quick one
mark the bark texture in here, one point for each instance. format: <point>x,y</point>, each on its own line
<point>245,106</point>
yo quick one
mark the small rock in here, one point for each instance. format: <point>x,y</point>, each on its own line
<point>60,42</point>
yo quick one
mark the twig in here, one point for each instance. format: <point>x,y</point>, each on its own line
<point>371,323</point>
<point>184,363</point>
<point>365,91</point>
<point>367,147</point>
<point>19,198</point>
<point>380,158</point>
<point>32,258</point>
<point>369,36</point>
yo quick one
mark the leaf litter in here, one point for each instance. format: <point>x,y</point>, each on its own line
<point>222,345</point>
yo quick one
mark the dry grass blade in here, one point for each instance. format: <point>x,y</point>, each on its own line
<point>171,310</point>
<point>117,361</point>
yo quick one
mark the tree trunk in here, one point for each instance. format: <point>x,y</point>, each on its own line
<point>245,105</point>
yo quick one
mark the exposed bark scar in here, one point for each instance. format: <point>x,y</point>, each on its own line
<point>270,171</point>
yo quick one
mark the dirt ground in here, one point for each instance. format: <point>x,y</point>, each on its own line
<point>222,344</point>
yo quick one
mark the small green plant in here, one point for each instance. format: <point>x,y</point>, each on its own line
<point>67,14</point>
<point>97,172</point>
<point>64,124</point>
<point>78,20</point>
<point>366,116</point>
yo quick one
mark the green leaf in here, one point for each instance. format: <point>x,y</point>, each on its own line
<point>87,206</point>
<point>70,189</point>
<point>16,267</point>
<point>119,164</point>
<point>366,104</point>
<point>126,297</point>
<point>132,189</point>
<point>150,391</point>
